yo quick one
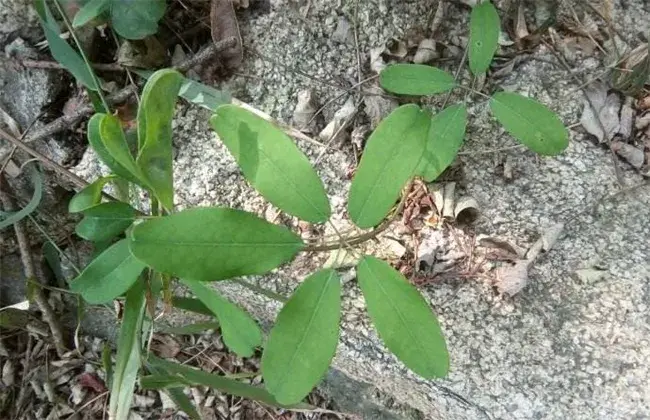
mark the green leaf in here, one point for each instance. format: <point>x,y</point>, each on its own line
<point>90,11</point>
<point>60,49</point>
<point>196,92</point>
<point>105,221</point>
<point>90,196</point>
<point>190,329</point>
<point>109,275</point>
<point>484,27</point>
<point>95,140</point>
<point>155,133</point>
<point>403,319</point>
<point>107,363</point>
<point>53,260</point>
<point>303,341</point>
<point>190,304</point>
<point>272,163</point>
<point>530,122</point>
<point>127,363</point>
<point>240,332</point>
<point>115,143</point>
<point>219,382</point>
<point>415,79</point>
<point>203,95</point>
<point>446,134</point>
<point>9,218</point>
<point>213,243</point>
<point>390,158</point>
<point>136,19</point>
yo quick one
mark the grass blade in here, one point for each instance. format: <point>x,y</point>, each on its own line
<point>127,364</point>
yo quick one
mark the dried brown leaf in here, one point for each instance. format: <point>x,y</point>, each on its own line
<point>511,279</point>
<point>165,346</point>
<point>223,22</point>
<point>521,30</point>
<point>91,381</point>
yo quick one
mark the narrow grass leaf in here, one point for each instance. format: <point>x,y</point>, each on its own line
<point>53,260</point>
<point>95,140</point>
<point>240,332</point>
<point>105,221</point>
<point>415,79</point>
<point>9,218</point>
<point>60,49</point>
<point>530,122</point>
<point>90,11</point>
<point>272,163</point>
<point>109,275</point>
<point>403,319</point>
<point>389,160</point>
<point>303,341</point>
<point>136,19</point>
<point>191,304</point>
<point>212,243</point>
<point>446,134</point>
<point>155,132</point>
<point>127,364</point>
<point>221,383</point>
<point>484,27</point>
<point>90,196</point>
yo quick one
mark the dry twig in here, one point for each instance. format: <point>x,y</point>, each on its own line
<point>30,273</point>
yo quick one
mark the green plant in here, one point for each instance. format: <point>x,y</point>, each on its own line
<point>208,244</point>
<point>130,19</point>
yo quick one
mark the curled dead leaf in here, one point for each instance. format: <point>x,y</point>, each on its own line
<point>466,210</point>
<point>426,52</point>
<point>223,22</point>
<point>512,278</point>
<point>304,112</point>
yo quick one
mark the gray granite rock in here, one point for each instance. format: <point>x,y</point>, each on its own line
<point>568,345</point>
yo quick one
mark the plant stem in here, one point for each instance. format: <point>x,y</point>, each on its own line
<point>474,91</point>
<point>98,88</point>
<point>356,240</point>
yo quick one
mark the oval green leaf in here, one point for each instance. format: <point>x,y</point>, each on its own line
<point>136,19</point>
<point>90,196</point>
<point>446,134</point>
<point>105,221</point>
<point>213,244</point>
<point>272,163</point>
<point>303,341</point>
<point>415,79</point>
<point>484,27</point>
<point>530,122</point>
<point>96,142</point>
<point>390,158</point>
<point>403,319</point>
<point>109,275</point>
<point>240,332</point>
<point>155,133</point>
<point>117,146</point>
